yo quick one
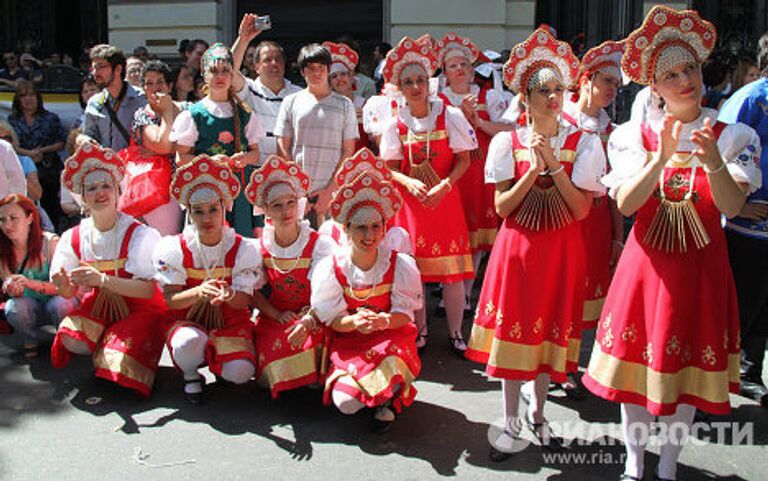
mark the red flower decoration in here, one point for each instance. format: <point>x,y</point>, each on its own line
<point>226,137</point>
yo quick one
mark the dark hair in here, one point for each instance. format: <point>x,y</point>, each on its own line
<point>34,239</point>
<point>762,54</point>
<point>715,71</point>
<point>740,72</point>
<point>265,44</point>
<point>383,47</point>
<point>23,87</point>
<point>183,46</point>
<point>85,80</point>
<point>110,53</point>
<point>192,45</point>
<point>159,67</point>
<point>314,53</point>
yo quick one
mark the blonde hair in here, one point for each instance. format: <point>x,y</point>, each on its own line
<point>9,128</point>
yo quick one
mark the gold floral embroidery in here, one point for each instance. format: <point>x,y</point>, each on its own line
<point>708,356</point>
<point>648,354</point>
<point>277,344</point>
<point>517,331</point>
<point>555,333</point>
<point>607,340</point>
<point>499,317</point>
<point>569,331</point>
<point>607,322</point>
<point>673,346</point>
<point>686,356</point>
<point>370,354</point>
<point>421,241</point>
<point>725,340</point>
<point>436,249</point>
<point>454,247</point>
<point>490,213</point>
<point>490,309</point>
<point>677,183</point>
<point>538,326</point>
<point>599,292</point>
<point>629,334</point>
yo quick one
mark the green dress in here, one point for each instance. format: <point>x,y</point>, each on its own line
<point>216,137</point>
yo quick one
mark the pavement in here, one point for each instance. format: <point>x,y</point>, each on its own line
<point>65,424</point>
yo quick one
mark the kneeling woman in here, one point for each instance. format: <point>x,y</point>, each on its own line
<point>286,334</point>
<point>121,320</point>
<point>367,294</point>
<point>207,274</point>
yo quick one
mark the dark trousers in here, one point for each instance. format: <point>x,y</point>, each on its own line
<point>749,261</point>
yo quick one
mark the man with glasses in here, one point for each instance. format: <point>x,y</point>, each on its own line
<point>109,114</point>
<point>12,71</point>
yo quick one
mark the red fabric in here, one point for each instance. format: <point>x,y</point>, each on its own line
<point>138,336</point>
<point>430,239</point>
<point>672,311</point>
<point>237,322</point>
<point>597,230</point>
<point>367,351</point>
<point>290,292</point>
<point>533,289</point>
<point>149,189</point>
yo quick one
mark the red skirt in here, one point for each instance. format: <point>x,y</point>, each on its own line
<point>231,342</point>
<point>529,310</point>
<point>669,330</point>
<point>127,351</point>
<point>281,366</point>
<point>374,368</point>
<point>477,199</point>
<point>439,237</point>
<point>597,230</point>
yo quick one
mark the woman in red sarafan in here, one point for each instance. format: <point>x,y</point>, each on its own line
<point>288,340</point>
<point>545,172</point>
<point>366,293</point>
<point>208,273</point>
<point>122,317</point>
<point>427,146</point>
<point>667,340</point>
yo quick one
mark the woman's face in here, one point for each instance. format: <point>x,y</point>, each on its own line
<point>283,211</point>
<point>100,196</point>
<point>681,86</point>
<point>248,60</point>
<point>458,71</point>
<point>604,88</point>
<point>752,74</point>
<point>88,90</point>
<point>185,82</point>
<point>342,83</point>
<point>220,78</point>
<point>414,84</point>
<point>15,223</point>
<point>154,83</point>
<point>208,217</point>
<point>546,101</point>
<point>28,101</point>
<point>367,236</point>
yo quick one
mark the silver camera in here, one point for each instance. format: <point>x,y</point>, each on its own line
<point>263,22</point>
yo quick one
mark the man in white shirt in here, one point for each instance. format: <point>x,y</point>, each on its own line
<point>265,94</point>
<point>317,127</point>
<point>12,180</point>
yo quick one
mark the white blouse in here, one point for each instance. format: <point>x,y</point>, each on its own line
<point>98,245</point>
<point>738,143</point>
<point>497,101</point>
<point>588,167</point>
<point>377,111</point>
<point>328,294</point>
<point>396,238</point>
<point>168,259</point>
<point>595,125</point>
<point>184,131</point>
<point>324,247</point>
<point>461,135</point>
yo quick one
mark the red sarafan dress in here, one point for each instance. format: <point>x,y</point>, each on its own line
<point>373,368</point>
<point>125,334</point>
<point>529,309</point>
<point>477,197</point>
<point>281,366</point>
<point>439,236</point>
<point>229,330</point>
<point>669,330</point>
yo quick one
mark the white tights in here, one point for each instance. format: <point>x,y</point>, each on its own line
<point>636,424</point>
<point>347,404</point>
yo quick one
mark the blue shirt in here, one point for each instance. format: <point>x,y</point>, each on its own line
<point>46,129</point>
<point>749,105</point>
<point>98,123</point>
<point>27,165</point>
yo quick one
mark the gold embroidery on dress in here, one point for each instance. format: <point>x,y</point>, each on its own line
<point>555,333</point>
<point>517,331</point>
<point>489,308</point>
<point>672,218</point>
<point>538,325</point>
<point>648,354</point>
<point>725,340</point>
<point>630,333</point>
<point>673,346</point>
<point>607,340</point>
<point>708,356</point>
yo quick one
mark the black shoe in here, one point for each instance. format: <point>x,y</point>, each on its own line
<point>544,434</point>
<point>755,391</point>
<point>458,346</point>
<point>381,421</point>
<point>195,398</point>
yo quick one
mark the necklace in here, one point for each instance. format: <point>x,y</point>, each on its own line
<point>209,265</point>
<point>108,240</point>
<point>295,260</point>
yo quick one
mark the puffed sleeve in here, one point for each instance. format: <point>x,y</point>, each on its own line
<point>64,255</point>
<point>498,101</point>
<point>500,163</point>
<point>399,240</point>
<point>245,275</point>
<point>324,247</point>
<point>626,155</point>
<point>374,115</point>
<point>143,241</point>
<point>407,290</point>
<point>589,166</point>
<point>184,130</point>
<point>254,131</point>
<point>740,147</point>
<point>461,135</point>
<point>327,294</point>
<point>390,147</point>
<point>168,262</point>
